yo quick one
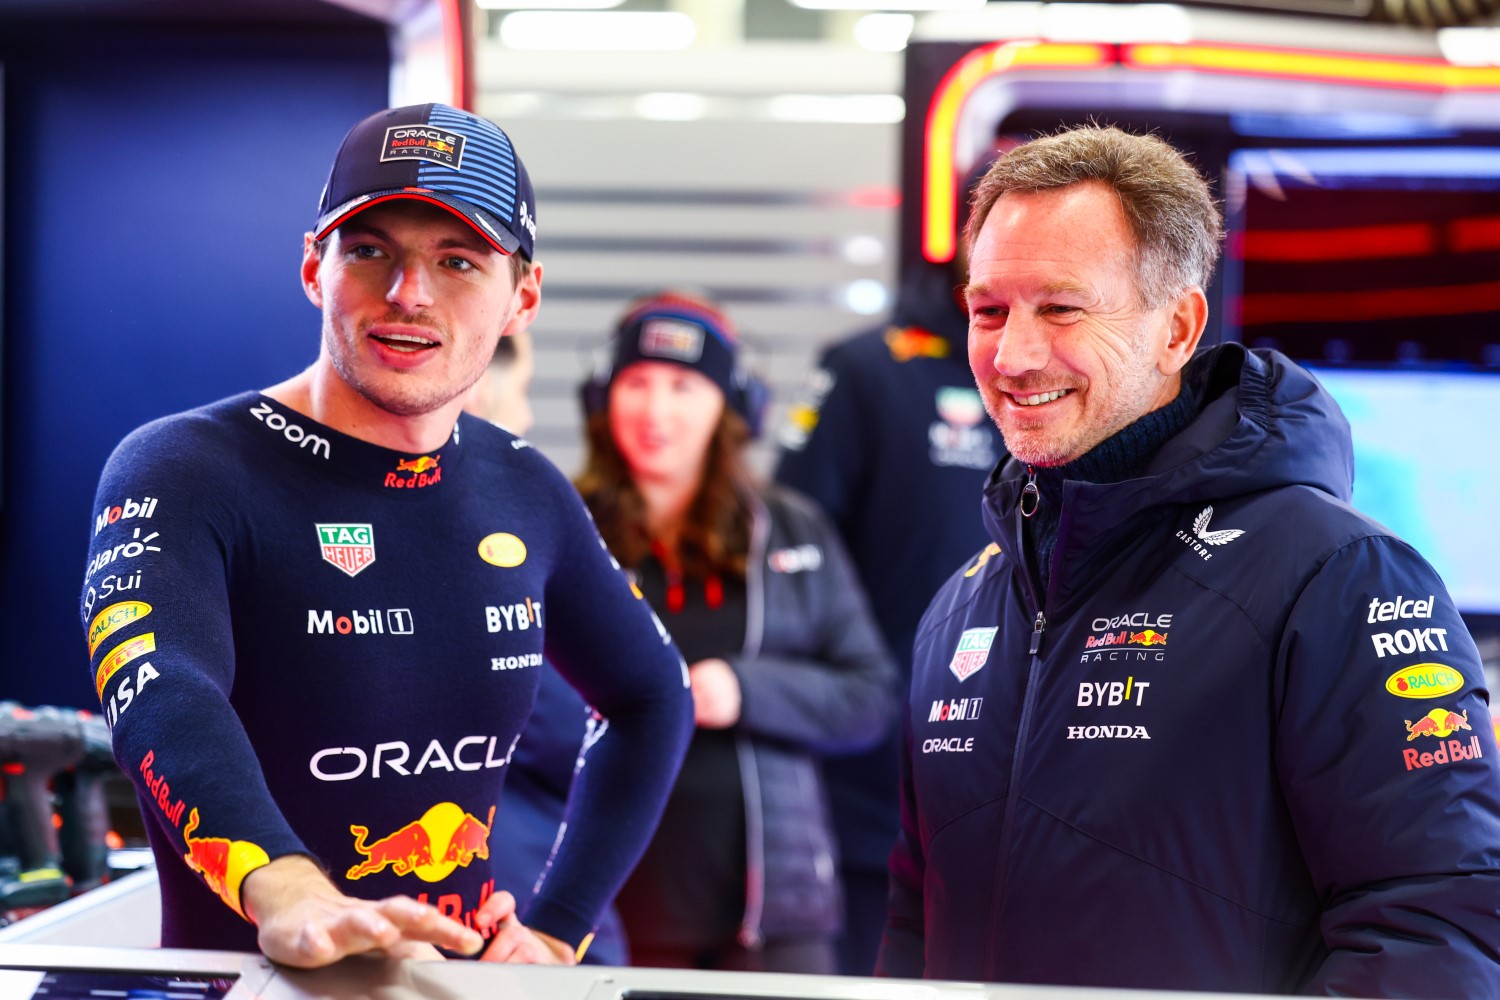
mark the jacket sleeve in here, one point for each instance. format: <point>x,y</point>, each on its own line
<point>903,946</point>
<point>155,610</point>
<point>1387,757</point>
<point>839,694</point>
<point>606,641</point>
<point>823,442</point>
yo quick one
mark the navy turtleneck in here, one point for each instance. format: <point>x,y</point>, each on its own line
<point>1122,456</point>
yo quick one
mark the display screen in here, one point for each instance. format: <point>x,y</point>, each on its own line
<point>72,984</point>
<point>1424,466</point>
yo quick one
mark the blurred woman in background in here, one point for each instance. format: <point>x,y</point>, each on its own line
<point>785,663</point>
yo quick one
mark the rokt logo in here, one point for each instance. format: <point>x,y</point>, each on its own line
<point>1410,640</point>
<point>395,621</point>
<point>292,432</point>
<point>124,512</point>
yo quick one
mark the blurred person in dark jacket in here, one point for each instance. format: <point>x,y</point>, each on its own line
<point>787,663</point>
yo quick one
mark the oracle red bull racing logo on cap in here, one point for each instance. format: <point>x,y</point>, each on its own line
<point>972,653</point>
<point>350,547</point>
<point>423,142</point>
<point>444,838</point>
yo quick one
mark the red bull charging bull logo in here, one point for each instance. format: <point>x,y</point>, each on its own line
<point>222,862</point>
<point>1439,722</point>
<point>1150,637</point>
<point>421,472</point>
<point>445,838</point>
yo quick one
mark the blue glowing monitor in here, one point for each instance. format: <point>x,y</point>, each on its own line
<point>1427,466</point>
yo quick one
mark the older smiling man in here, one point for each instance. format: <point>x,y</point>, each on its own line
<point>1156,740</point>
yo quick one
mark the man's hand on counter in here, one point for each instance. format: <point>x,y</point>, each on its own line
<point>305,921</point>
<point>514,941</point>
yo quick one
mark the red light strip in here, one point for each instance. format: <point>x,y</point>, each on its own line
<point>1349,307</point>
<point>1411,239</point>
<point>1324,67</point>
<point>939,208</point>
<point>453,41</point>
<point>1469,235</point>
<point>939,200</point>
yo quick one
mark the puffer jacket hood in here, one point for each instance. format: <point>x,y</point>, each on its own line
<point>1263,422</point>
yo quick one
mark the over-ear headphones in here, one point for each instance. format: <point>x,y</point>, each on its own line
<point>688,331</point>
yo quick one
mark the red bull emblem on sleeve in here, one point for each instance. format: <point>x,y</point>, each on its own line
<point>972,653</point>
<point>1440,723</point>
<point>350,547</point>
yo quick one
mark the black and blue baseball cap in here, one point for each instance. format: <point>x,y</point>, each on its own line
<point>437,154</point>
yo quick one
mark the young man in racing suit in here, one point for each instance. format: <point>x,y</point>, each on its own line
<point>1189,720</point>
<point>316,614</point>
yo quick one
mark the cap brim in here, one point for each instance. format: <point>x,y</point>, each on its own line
<point>482,222</point>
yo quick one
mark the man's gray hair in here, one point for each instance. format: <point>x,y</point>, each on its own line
<point>1177,226</point>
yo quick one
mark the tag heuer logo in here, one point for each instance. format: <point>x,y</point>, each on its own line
<point>972,652</point>
<point>350,547</point>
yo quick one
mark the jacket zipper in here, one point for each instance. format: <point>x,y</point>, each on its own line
<point>1018,753</point>
<point>755,848</point>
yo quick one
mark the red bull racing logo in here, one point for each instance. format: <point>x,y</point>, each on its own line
<point>421,472</point>
<point>1150,637</point>
<point>424,142</point>
<point>222,862</point>
<point>446,837</point>
<point>1440,723</point>
<point>350,547</point>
